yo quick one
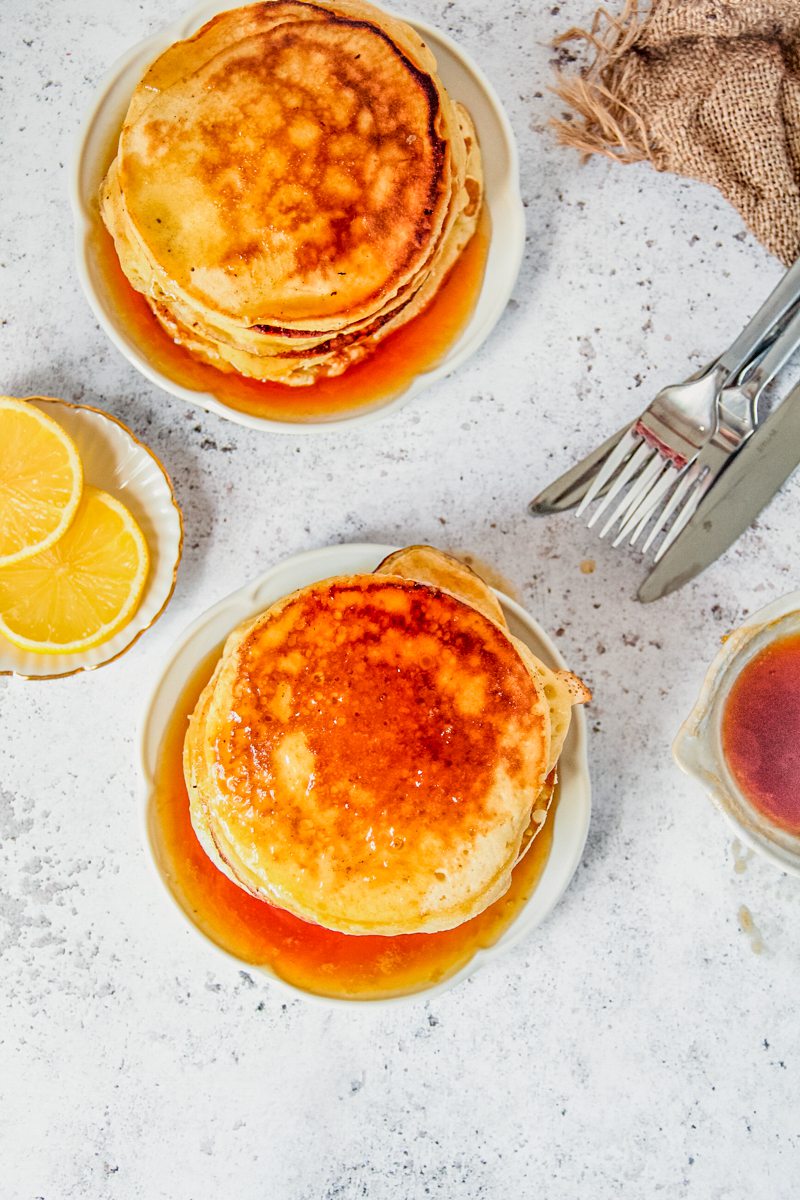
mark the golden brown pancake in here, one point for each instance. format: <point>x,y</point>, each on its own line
<point>298,356</point>
<point>290,767</point>
<point>292,183</point>
<point>367,756</point>
<point>298,173</point>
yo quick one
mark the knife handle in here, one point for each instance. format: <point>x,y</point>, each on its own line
<point>777,304</point>
<point>778,353</point>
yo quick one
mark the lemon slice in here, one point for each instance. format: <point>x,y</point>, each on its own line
<point>41,480</point>
<point>84,588</point>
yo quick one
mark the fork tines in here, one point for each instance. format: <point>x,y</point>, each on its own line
<point>639,476</point>
<point>634,475</point>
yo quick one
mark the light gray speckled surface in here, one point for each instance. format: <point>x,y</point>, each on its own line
<point>635,1047</point>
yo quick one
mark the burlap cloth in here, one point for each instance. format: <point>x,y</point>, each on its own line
<point>705,88</point>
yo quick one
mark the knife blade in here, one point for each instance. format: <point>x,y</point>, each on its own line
<point>748,483</point>
<point>570,488</point>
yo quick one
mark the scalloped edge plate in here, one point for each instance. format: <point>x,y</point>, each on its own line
<point>464,80</point>
<point>115,460</point>
<point>208,630</point>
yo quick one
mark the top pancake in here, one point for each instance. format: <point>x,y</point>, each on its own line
<point>290,163</point>
<point>367,755</point>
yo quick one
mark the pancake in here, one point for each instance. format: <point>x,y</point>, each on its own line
<point>366,756</point>
<point>374,753</point>
<point>291,184</point>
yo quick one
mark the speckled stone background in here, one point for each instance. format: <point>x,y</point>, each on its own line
<point>636,1045</point>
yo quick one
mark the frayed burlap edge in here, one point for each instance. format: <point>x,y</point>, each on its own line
<point>603,123</point>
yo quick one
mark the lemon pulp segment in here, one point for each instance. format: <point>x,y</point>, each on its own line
<point>81,590</point>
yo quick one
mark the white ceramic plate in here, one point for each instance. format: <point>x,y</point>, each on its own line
<point>463,79</point>
<point>574,807</point>
<point>114,460</point>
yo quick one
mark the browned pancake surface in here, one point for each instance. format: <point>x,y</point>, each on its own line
<point>298,174</point>
<point>375,747</point>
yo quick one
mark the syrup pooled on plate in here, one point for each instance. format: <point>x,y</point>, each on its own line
<point>408,352</point>
<point>312,958</point>
<point>761,732</point>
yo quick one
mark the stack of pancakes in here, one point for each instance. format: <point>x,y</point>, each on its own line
<point>374,752</point>
<point>292,184</point>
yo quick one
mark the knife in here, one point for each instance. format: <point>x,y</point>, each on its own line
<point>748,483</point>
<point>570,488</point>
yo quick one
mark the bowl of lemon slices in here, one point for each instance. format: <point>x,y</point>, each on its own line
<point>90,537</point>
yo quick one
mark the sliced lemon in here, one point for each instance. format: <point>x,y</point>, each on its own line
<point>84,588</point>
<point>41,480</point>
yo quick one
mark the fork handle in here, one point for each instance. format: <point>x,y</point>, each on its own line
<point>777,304</point>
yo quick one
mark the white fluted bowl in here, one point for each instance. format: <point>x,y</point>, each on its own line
<point>117,462</point>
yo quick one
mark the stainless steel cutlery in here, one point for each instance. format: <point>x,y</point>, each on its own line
<point>647,481</point>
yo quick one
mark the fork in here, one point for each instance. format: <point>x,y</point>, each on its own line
<point>737,419</point>
<point>681,418</point>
